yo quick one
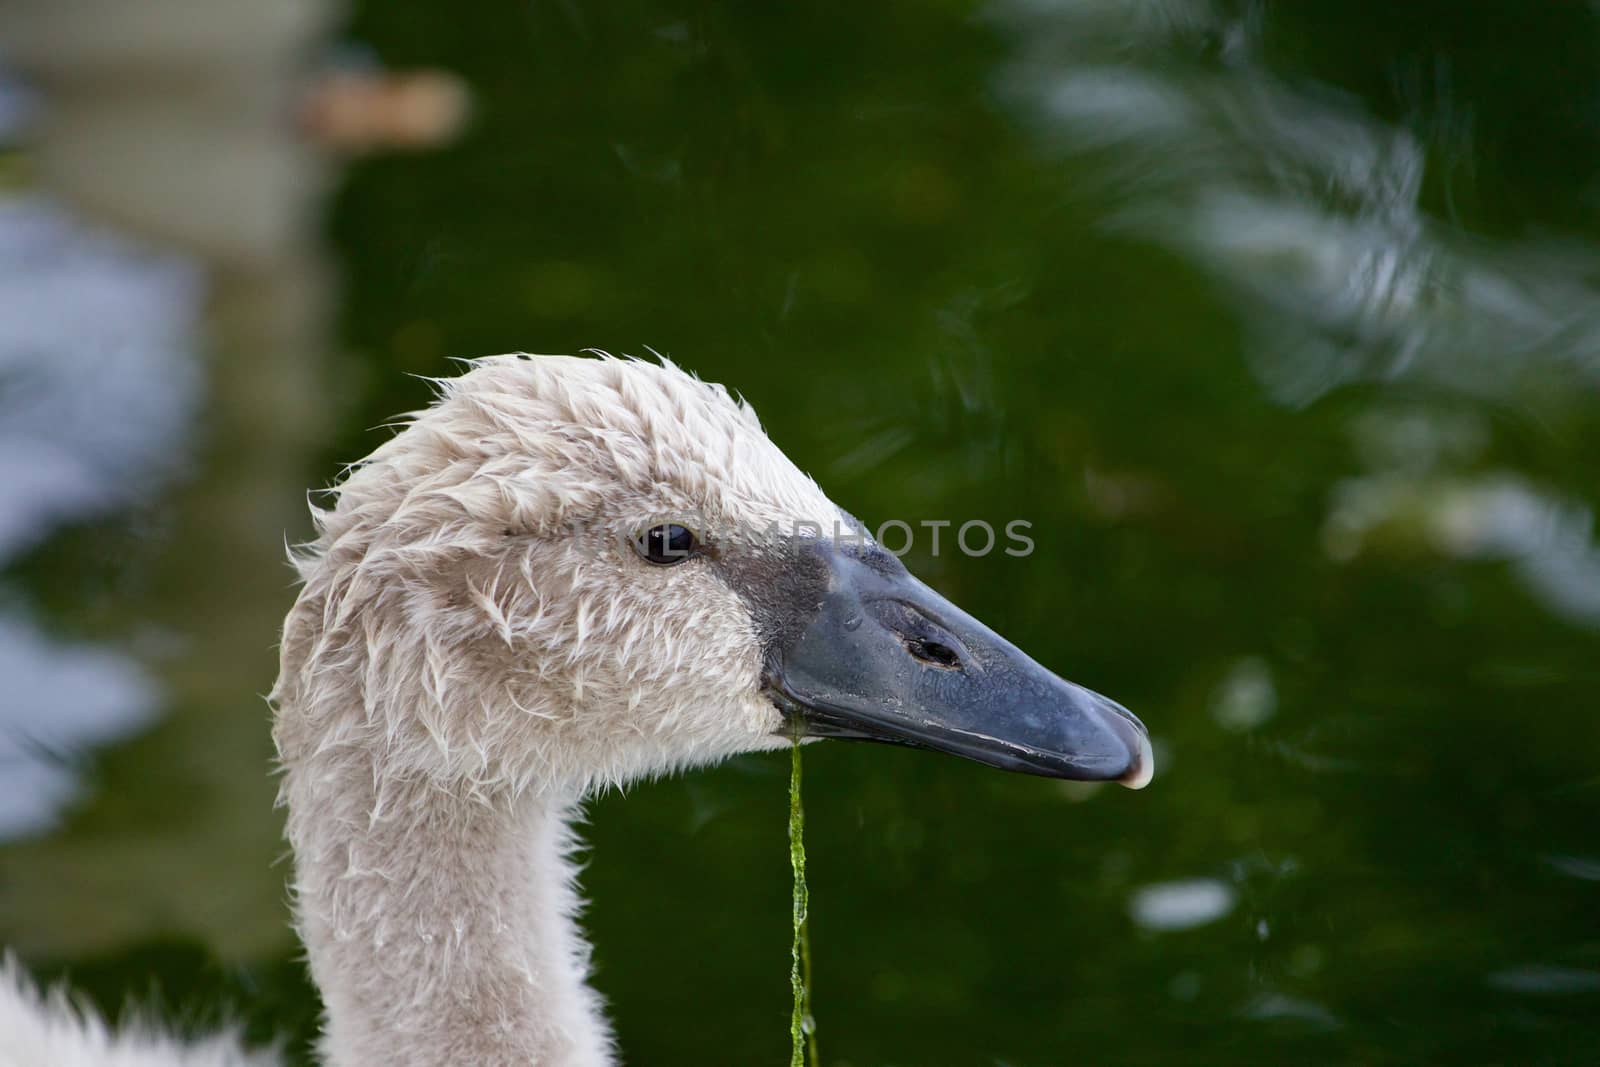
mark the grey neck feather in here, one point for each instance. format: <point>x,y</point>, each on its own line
<point>440,926</point>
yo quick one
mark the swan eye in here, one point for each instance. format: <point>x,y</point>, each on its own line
<point>667,544</point>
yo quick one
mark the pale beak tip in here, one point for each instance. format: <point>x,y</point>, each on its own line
<point>1143,767</point>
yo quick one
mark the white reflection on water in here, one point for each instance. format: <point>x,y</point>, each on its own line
<point>1246,697</point>
<point>60,698</point>
<point>1181,905</point>
<point>1282,1006</point>
<point>97,373</point>
<point>1584,867</point>
<point>1303,204</point>
<point>1546,538</point>
<point>98,388</point>
<point>1542,980</point>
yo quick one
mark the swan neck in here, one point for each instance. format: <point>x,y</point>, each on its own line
<point>440,922</point>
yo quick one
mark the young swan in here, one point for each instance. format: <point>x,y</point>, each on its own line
<point>569,573</point>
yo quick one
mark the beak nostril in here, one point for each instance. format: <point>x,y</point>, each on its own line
<point>934,653</point>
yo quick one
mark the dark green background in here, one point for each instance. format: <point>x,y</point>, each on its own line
<point>843,212</point>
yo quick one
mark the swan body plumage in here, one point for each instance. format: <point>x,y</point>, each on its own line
<point>480,641</point>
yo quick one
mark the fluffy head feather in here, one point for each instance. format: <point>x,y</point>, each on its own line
<point>472,607</point>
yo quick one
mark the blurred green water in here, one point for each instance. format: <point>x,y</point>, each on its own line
<point>1373,705</point>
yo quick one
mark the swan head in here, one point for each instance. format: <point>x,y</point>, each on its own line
<point>574,572</point>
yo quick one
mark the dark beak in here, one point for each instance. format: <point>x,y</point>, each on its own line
<point>885,658</point>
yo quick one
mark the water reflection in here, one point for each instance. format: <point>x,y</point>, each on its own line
<point>98,379</point>
<point>164,327</point>
<point>61,698</point>
<point>1246,697</point>
<point>1181,905</point>
<point>1547,538</point>
<point>1282,1006</point>
<point>1306,206</point>
<point>1427,494</point>
<point>98,387</point>
<point>1585,867</point>
<point>1545,980</point>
